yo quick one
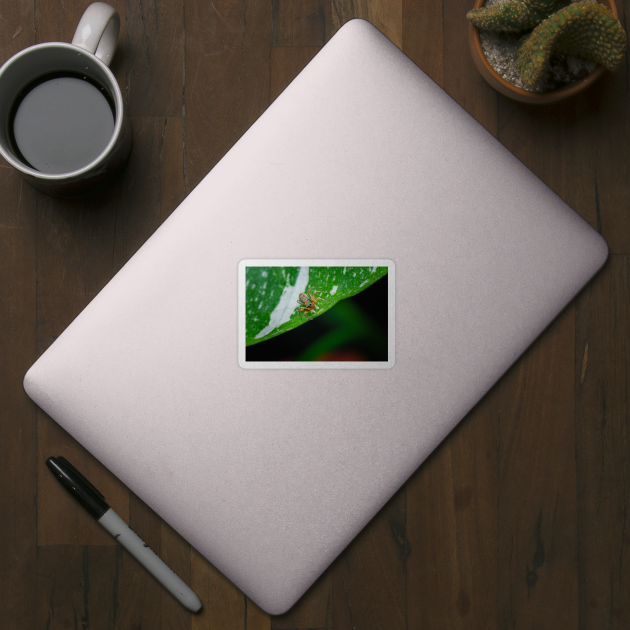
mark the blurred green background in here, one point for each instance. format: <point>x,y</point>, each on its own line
<point>355,329</point>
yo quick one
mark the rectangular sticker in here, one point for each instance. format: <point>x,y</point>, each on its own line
<point>314,314</point>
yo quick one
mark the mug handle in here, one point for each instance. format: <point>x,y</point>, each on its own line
<point>98,30</point>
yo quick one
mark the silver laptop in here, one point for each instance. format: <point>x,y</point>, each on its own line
<point>270,473</point>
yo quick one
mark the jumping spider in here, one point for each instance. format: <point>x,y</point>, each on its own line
<point>308,300</point>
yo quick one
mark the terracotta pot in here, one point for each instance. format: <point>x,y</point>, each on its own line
<point>518,94</point>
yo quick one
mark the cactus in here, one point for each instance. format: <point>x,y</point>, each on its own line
<point>584,29</point>
<point>513,16</point>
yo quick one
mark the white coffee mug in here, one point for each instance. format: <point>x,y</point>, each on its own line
<point>61,106</point>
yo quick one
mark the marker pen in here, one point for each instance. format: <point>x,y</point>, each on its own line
<point>94,502</point>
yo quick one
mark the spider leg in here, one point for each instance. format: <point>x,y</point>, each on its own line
<point>305,310</point>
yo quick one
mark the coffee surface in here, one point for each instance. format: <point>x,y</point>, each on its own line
<point>62,124</point>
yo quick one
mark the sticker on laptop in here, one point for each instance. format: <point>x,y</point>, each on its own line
<point>316,314</point>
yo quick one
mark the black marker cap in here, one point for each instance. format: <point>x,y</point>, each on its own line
<point>78,486</point>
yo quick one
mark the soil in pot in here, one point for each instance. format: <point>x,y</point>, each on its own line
<point>501,49</point>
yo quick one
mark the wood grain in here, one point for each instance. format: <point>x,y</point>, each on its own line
<point>313,610</point>
<point>226,78</point>
<point>452,515</point>
<point>519,519</point>
<point>154,57</point>
<point>285,64</point>
<point>224,606</point>
<point>573,149</point>
<point>452,500</point>
<point>76,587</point>
<point>303,23</point>
<point>18,416</point>
<point>609,133</point>
<point>602,380</point>
<point>537,510</point>
<point>151,187</point>
<point>60,520</point>
<point>152,606</point>
<point>461,79</point>
<point>57,22</point>
<point>422,36</point>
<point>369,577</point>
<point>386,15</point>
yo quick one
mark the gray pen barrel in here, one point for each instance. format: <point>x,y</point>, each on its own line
<point>149,559</point>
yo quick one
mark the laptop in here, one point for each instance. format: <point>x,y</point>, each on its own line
<point>363,161</point>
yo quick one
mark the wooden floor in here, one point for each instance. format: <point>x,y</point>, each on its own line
<point>518,520</point>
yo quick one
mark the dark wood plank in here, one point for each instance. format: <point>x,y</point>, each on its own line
<point>142,599</point>
<point>224,606</point>
<point>18,415</point>
<point>74,250</point>
<point>603,443</point>
<point>313,610</point>
<point>94,237</point>
<point>570,146</point>
<point>558,147</point>
<point>578,148</point>
<point>76,587</point>
<point>226,78</point>
<point>83,234</point>
<point>461,78</point>
<point>71,234</point>
<point>176,552</point>
<point>452,527</point>
<point>575,147</point>
<point>18,421</point>
<point>55,22</point>
<point>422,36</point>
<point>303,23</point>
<point>58,22</point>
<point>17,28</point>
<point>566,149</point>
<point>152,185</point>
<point>61,520</point>
<point>74,245</point>
<point>386,15</point>
<point>171,160</point>
<point>154,57</point>
<point>452,499</point>
<point>369,577</point>
<point>537,537</point>
<point>255,618</point>
<point>285,64</point>
<point>608,128</point>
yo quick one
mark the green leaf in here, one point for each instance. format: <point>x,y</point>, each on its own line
<point>271,295</point>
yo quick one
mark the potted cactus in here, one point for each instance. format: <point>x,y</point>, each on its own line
<point>558,49</point>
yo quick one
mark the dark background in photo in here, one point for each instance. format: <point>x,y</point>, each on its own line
<point>355,329</point>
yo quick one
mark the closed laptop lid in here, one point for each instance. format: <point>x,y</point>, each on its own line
<point>270,473</point>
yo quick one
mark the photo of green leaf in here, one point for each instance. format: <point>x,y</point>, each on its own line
<point>316,313</point>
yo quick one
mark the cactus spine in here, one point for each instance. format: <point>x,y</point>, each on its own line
<point>583,29</point>
<point>513,16</point>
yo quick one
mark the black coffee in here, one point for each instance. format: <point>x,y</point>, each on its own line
<point>61,123</point>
